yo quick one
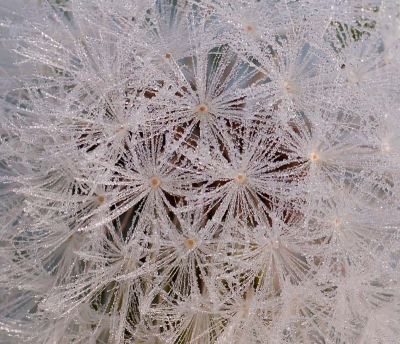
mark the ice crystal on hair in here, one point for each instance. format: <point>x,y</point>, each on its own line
<point>200,171</point>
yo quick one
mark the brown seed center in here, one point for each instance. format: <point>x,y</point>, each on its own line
<point>154,182</point>
<point>314,156</point>
<point>386,147</point>
<point>240,178</point>
<point>190,242</point>
<point>288,86</point>
<point>202,109</point>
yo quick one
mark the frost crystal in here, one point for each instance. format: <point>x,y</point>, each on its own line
<point>200,171</point>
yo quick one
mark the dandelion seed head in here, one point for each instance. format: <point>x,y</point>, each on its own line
<point>314,156</point>
<point>337,221</point>
<point>154,182</point>
<point>199,171</point>
<point>385,147</point>
<point>249,28</point>
<point>240,178</point>
<point>202,109</point>
<point>190,243</point>
<point>288,86</point>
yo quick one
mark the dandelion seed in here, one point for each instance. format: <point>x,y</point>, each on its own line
<point>190,243</point>
<point>154,182</point>
<point>314,157</point>
<point>202,109</point>
<point>240,178</point>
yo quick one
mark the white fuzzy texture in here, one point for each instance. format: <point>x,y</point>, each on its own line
<point>201,171</point>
